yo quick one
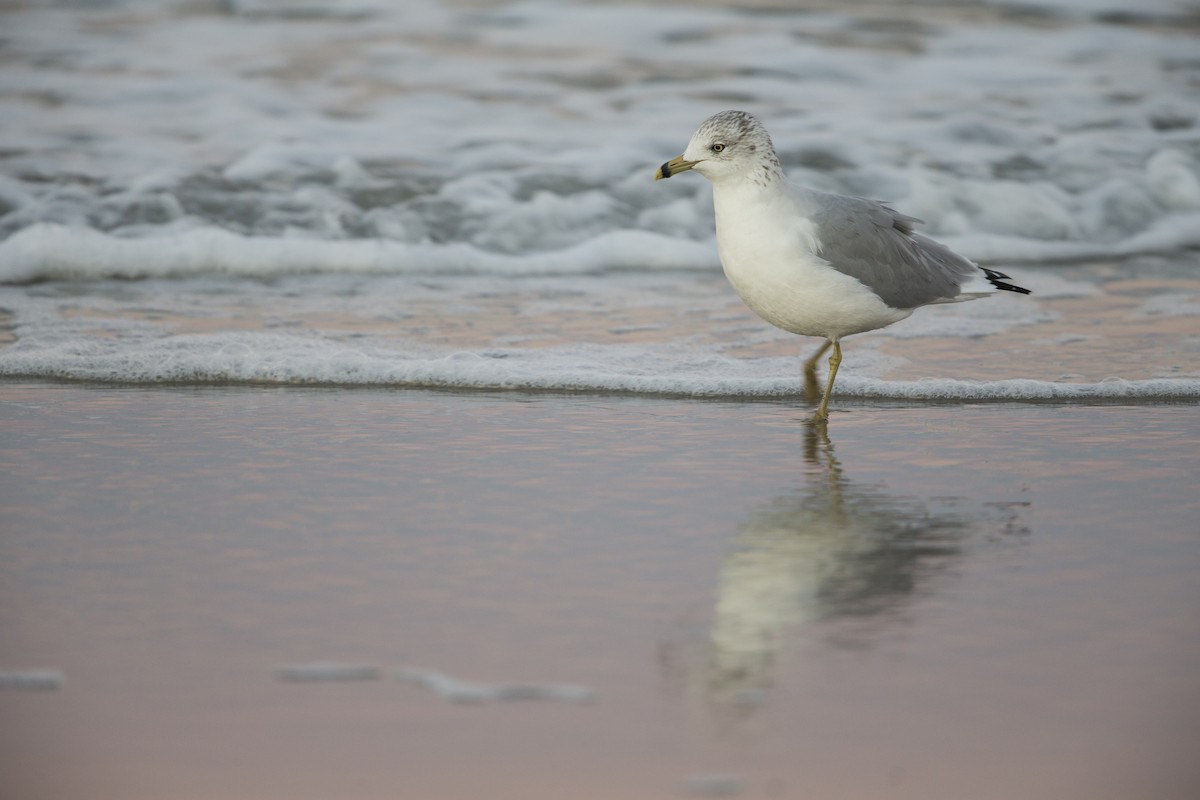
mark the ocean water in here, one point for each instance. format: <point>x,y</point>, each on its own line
<point>459,194</point>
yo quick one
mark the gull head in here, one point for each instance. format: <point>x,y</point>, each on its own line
<point>729,144</point>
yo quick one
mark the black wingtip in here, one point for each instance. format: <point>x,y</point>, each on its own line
<point>997,279</point>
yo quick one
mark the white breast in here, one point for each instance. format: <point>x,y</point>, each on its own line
<point>770,259</point>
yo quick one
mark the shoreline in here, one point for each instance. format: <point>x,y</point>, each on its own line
<point>1083,395</point>
<point>1083,331</point>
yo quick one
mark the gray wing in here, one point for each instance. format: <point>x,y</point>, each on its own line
<point>876,244</point>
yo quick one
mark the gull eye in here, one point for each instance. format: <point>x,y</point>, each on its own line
<point>718,147</point>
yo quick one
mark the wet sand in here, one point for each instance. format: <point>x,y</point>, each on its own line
<point>951,601</point>
<point>1085,323</point>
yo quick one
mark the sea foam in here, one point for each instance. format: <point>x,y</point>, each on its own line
<point>253,358</point>
<point>368,143</point>
<point>55,252</point>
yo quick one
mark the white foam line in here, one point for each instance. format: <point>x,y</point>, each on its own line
<point>1019,389</point>
<point>1168,235</point>
<point>48,251</point>
<point>307,361</point>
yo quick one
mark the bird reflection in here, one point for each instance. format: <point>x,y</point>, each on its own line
<point>833,551</point>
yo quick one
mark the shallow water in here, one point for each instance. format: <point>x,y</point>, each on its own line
<point>1115,331</point>
<point>972,601</point>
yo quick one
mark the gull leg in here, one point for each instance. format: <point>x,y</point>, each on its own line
<point>811,392</point>
<point>835,361</point>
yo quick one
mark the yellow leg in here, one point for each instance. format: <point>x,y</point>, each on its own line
<point>835,361</point>
<point>811,392</point>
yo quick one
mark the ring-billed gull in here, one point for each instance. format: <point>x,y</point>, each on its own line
<point>815,263</point>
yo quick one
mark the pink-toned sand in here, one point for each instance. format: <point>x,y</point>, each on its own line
<point>982,601</point>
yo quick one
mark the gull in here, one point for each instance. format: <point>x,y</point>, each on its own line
<point>815,263</point>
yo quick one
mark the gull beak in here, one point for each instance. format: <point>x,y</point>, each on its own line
<point>675,165</point>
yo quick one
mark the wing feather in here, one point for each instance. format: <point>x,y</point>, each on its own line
<point>879,246</point>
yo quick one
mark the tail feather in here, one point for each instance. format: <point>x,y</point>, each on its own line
<point>998,279</point>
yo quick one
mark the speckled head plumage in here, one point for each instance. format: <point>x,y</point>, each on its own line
<point>728,144</point>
